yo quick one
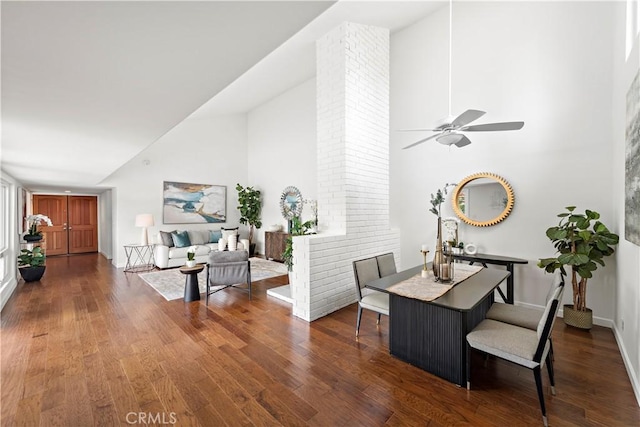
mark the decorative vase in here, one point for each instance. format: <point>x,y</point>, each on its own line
<point>191,263</point>
<point>32,237</point>
<point>577,318</point>
<point>32,274</point>
<point>437,255</point>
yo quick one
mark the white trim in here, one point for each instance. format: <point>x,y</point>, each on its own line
<point>7,290</point>
<point>633,376</point>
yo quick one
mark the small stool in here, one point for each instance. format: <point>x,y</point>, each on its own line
<point>191,289</point>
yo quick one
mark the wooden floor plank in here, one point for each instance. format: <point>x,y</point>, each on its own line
<point>89,345</point>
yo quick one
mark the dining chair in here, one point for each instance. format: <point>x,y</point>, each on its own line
<point>226,269</point>
<point>522,346</point>
<point>386,264</point>
<point>366,270</point>
<point>524,316</point>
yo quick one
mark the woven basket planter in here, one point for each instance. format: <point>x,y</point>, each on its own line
<point>577,318</point>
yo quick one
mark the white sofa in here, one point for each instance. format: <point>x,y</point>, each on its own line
<point>166,256</point>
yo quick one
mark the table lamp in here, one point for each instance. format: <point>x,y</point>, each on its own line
<point>144,221</point>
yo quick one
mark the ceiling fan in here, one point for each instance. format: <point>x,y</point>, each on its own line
<point>449,130</point>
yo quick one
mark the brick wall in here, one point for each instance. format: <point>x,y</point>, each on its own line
<point>353,170</point>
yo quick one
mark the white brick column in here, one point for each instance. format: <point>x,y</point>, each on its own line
<point>353,169</point>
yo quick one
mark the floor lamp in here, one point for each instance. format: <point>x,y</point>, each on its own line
<point>144,221</point>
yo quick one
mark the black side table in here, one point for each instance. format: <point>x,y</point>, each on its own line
<point>191,289</point>
<point>506,261</point>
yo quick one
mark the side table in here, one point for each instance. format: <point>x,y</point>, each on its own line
<point>139,258</point>
<point>191,288</point>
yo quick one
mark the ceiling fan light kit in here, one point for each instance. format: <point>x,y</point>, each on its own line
<point>449,128</point>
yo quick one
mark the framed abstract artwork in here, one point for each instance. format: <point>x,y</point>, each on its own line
<point>187,203</point>
<point>632,164</point>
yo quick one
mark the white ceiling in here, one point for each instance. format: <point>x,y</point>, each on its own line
<point>88,85</point>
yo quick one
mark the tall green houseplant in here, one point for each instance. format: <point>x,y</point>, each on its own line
<point>583,247</point>
<point>250,206</point>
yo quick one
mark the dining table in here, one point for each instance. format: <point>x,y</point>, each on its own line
<point>432,334</point>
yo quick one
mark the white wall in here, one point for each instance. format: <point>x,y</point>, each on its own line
<point>627,298</point>
<point>282,151</point>
<point>546,63</point>
<point>105,224</point>
<point>206,151</point>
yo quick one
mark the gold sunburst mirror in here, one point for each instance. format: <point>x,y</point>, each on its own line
<point>483,199</point>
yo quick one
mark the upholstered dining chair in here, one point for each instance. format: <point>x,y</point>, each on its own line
<point>386,264</point>
<point>366,270</point>
<point>519,345</point>
<point>525,317</point>
<point>226,269</point>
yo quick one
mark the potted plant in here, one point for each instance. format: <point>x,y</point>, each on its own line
<point>31,264</point>
<point>191,257</point>
<point>250,206</point>
<point>582,247</point>
<point>33,221</point>
<point>298,228</point>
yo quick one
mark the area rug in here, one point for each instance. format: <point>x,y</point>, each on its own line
<point>170,283</point>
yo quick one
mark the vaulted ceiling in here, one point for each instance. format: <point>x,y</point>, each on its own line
<point>88,85</point>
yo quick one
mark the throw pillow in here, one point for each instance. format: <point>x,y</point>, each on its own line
<point>166,238</point>
<point>180,239</point>
<point>214,236</point>
<point>226,232</point>
<point>196,237</point>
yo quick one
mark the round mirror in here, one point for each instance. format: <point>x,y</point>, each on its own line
<point>483,199</point>
<point>291,203</point>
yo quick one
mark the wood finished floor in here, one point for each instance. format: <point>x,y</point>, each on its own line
<point>90,345</point>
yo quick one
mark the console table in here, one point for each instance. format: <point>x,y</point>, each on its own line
<point>139,258</point>
<point>432,335</point>
<point>508,262</point>
<point>274,244</point>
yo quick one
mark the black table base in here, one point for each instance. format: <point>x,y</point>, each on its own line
<point>433,337</point>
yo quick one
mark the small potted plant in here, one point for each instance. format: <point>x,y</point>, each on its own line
<point>33,221</point>
<point>249,206</point>
<point>191,256</point>
<point>582,246</point>
<point>31,264</point>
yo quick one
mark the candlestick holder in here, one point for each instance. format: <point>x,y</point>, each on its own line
<point>425,272</point>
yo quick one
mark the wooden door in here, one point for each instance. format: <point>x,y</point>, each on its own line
<point>75,223</point>
<point>83,224</point>
<point>55,207</point>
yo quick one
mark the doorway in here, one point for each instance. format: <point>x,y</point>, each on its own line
<point>75,223</point>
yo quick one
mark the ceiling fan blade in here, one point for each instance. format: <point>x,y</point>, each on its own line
<point>463,142</point>
<point>467,117</point>
<point>421,141</point>
<point>418,130</point>
<point>493,127</point>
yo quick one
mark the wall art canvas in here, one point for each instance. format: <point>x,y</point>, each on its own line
<point>186,203</point>
<point>632,165</point>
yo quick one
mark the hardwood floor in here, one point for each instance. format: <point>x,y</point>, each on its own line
<point>91,345</point>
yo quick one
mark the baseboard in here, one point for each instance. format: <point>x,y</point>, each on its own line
<point>7,291</point>
<point>633,376</point>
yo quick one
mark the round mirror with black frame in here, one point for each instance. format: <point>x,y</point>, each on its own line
<point>483,199</point>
